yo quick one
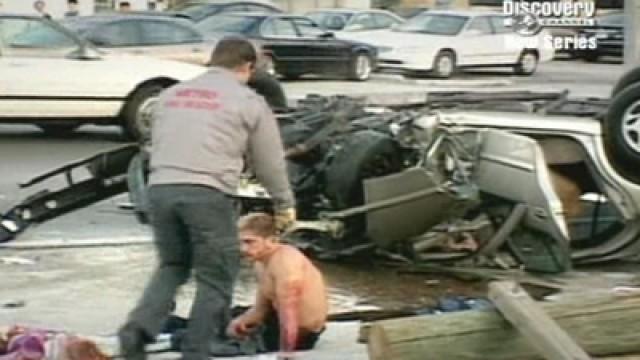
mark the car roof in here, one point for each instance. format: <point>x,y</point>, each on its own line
<point>18,15</point>
<point>107,17</point>
<point>264,15</point>
<point>469,13</point>
<point>267,2</point>
<point>248,14</point>
<point>348,11</point>
<point>232,2</point>
<point>96,20</point>
<point>338,11</point>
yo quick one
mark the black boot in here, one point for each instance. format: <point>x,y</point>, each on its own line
<point>132,342</point>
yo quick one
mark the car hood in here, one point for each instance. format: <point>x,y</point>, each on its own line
<point>148,67</point>
<point>398,39</point>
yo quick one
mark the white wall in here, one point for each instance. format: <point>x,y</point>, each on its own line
<point>56,8</point>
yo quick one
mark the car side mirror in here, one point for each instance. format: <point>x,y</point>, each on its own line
<point>327,35</point>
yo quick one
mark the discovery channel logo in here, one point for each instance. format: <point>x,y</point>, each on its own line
<point>530,17</point>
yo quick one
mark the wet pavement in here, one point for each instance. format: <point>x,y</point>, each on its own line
<point>100,278</point>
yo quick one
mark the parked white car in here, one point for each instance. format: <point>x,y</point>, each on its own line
<point>441,42</point>
<point>52,78</point>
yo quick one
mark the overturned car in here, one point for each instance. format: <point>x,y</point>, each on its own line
<point>512,179</point>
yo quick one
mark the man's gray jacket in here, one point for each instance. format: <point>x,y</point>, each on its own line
<point>204,129</point>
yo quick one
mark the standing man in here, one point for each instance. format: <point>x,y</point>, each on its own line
<point>291,301</point>
<point>269,87</point>
<point>202,130</point>
<point>72,8</point>
<point>124,6</point>
<point>40,7</point>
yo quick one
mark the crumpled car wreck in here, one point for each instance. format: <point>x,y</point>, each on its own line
<point>512,179</point>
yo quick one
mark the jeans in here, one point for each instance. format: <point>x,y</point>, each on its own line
<point>194,229</point>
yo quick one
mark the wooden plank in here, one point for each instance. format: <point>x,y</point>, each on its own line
<point>604,323</point>
<point>544,334</point>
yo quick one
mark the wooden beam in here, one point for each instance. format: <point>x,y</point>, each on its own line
<point>603,323</point>
<point>544,334</point>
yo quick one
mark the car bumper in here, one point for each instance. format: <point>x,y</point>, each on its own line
<point>394,61</point>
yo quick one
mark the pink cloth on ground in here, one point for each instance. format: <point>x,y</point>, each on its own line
<point>27,346</point>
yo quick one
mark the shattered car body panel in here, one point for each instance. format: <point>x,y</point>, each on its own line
<point>104,177</point>
<point>436,181</point>
<point>590,169</point>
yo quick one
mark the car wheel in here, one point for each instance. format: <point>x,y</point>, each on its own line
<point>527,64</point>
<point>590,56</point>
<point>622,132</point>
<point>112,164</point>
<point>58,129</point>
<point>137,176</point>
<point>444,65</point>
<point>291,75</point>
<point>137,114</point>
<point>361,67</point>
<point>268,65</point>
<point>364,155</point>
<point>627,79</point>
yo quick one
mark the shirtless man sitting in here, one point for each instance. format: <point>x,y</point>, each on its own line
<point>291,300</point>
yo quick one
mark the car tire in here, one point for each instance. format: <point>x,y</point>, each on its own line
<point>627,79</point>
<point>291,75</point>
<point>268,65</point>
<point>590,56</point>
<point>366,154</point>
<point>137,176</point>
<point>361,67</point>
<point>527,63</point>
<point>444,64</point>
<point>113,165</point>
<point>58,129</point>
<point>621,132</point>
<point>137,112</point>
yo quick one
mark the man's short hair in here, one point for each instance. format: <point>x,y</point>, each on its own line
<point>72,2</point>
<point>233,51</point>
<point>261,224</point>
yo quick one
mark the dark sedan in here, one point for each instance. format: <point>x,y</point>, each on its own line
<point>295,45</point>
<point>197,11</point>
<point>609,34</point>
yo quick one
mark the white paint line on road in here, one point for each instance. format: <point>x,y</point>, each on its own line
<point>76,243</point>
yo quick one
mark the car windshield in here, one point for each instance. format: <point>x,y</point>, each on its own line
<point>330,20</point>
<point>197,11</point>
<point>438,24</point>
<point>78,26</point>
<point>38,35</point>
<point>228,24</point>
